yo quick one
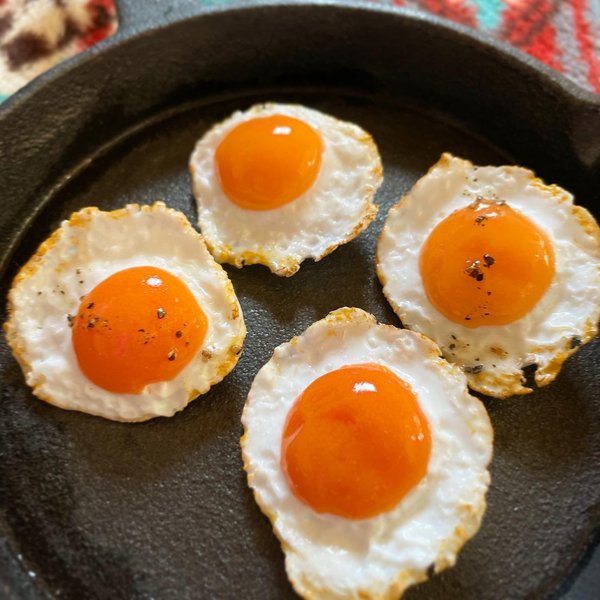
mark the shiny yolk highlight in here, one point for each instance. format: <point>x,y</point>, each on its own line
<point>486,264</point>
<point>139,326</point>
<point>355,442</point>
<point>267,162</point>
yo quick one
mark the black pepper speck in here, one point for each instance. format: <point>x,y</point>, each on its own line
<point>575,342</point>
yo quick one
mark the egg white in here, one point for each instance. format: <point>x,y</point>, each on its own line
<point>337,207</point>
<point>330,557</point>
<point>493,357</point>
<point>84,251</point>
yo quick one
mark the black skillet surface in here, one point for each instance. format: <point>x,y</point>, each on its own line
<point>95,509</point>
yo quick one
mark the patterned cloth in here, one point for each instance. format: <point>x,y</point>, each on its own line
<point>37,34</point>
<point>565,34</point>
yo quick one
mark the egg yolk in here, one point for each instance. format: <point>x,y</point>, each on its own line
<point>267,162</point>
<point>355,442</point>
<point>486,264</point>
<point>139,326</point>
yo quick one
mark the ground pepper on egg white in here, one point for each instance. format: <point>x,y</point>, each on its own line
<point>497,357</point>
<point>42,324</point>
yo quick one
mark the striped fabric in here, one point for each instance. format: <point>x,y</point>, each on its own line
<point>565,34</point>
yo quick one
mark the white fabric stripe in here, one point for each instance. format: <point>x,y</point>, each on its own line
<point>575,68</point>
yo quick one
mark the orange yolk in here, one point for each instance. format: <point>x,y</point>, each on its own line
<point>267,162</point>
<point>355,442</point>
<point>486,264</point>
<point>139,326</point>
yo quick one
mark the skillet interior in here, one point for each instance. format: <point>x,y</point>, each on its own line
<point>96,509</point>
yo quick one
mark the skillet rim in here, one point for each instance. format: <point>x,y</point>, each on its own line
<point>150,24</point>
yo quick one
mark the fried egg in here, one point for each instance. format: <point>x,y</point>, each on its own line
<point>367,453</point>
<point>501,270</point>
<point>280,183</point>
<point>124,314</point>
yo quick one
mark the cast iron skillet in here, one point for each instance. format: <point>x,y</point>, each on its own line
<point>95,509</point>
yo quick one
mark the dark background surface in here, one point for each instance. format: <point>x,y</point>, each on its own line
<point>95,509</point>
